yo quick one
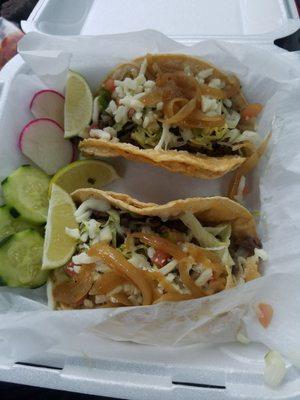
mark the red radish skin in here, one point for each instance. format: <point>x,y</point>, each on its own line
<point>48,103</point>
<point>42,141</point>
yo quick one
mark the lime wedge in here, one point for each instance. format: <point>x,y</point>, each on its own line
<point>78,104</point>
<point>59,247</point>
<point>84,174</point>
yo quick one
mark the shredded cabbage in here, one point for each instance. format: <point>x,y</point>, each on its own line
<point>113,223</point>
<point>239,197</point>
<point>275,369</point>
<point>106,234</point>
<point>165,139</point>
<point>208,240</point>
<point>252,136</point>
<point>242,338</point>
<point>205,137</point>
<point>139,261</point>
<point>217,230</point>
<point>145,137</point>
<point>204,238</point>
<point>168,267</point>
<point>73,233</point>
<point>92,204</point>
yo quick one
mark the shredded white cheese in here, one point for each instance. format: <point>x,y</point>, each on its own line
<point>205,73</point>
<point>139,261</point>
<point>92,204</point>
<point>100,134</point>
<point>73,233</point>
<point>216,83</point>
<point>168,267</point>
<point>164,139</point>
<point>100,299</point>
<point>232,119</point>
<point>77,268</point>
<point>83,258</point>
<point>205,276</point>
<point>211,106</point>
<point>252,136</point>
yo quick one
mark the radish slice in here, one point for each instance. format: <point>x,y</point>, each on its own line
<point>42,140</point>
<point>48,104</point>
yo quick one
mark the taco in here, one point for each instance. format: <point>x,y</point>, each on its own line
<point>175,111</point>
<point>132,253</point>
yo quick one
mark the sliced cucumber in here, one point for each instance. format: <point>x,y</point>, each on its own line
<point>26,190</point>
<point>21,260</point>
<point>11,222</point>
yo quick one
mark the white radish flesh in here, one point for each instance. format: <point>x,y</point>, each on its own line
<point>42,140</point>
<point>48,104</point>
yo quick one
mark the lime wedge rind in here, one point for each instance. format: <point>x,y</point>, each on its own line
<point>84,174</point>
<point>58,246</point>
<point>78,104</point>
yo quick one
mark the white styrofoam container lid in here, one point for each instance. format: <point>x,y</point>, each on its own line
<point>186,21</point>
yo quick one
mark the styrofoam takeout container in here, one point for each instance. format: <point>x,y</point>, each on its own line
<point>128,370</point>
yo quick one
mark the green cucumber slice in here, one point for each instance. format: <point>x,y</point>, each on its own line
<point>21,260</point>
<point>26,190</point>
<point>11,222</point>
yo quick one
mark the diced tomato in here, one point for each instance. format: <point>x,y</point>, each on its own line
<point>109,85</point>
<point>246,190</point>
<point>265,314</point>
<point>175,236</point>
<point>69,269</point>
<point>160,258</point>
<point>213,278</point>
<point>251,111</point>
<point>130,113</point>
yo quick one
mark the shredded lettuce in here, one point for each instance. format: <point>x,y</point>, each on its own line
<point>218,230</point>
<point>204,238</point>
<point>205,137</point>
<point>166,138</point>
<point>114,224</point>
<point>208,240</point>
<point>146,137</point>
<point>92,204</point>
<point>106,234</point>
<point>103,99</point>
<point>139,261</point>
<point>249,135</point>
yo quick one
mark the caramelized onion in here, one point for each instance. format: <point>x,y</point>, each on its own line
<point>122,299</point>
<point>205,257</point>
<point>116,261</point>
<point>183,113</point>
<point>156,276</point>
<point>74,289</point>
<point>171,107</point>
<point>247,167</point>
<point>199,120</point>
<point>128,69</point>
<point>205,90</point>
<point>184,272</point>
<point>160,243</point>
<point>152,98</point>
<point>247,146</point>
<point>106,283</point>
<point>173,297</point>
